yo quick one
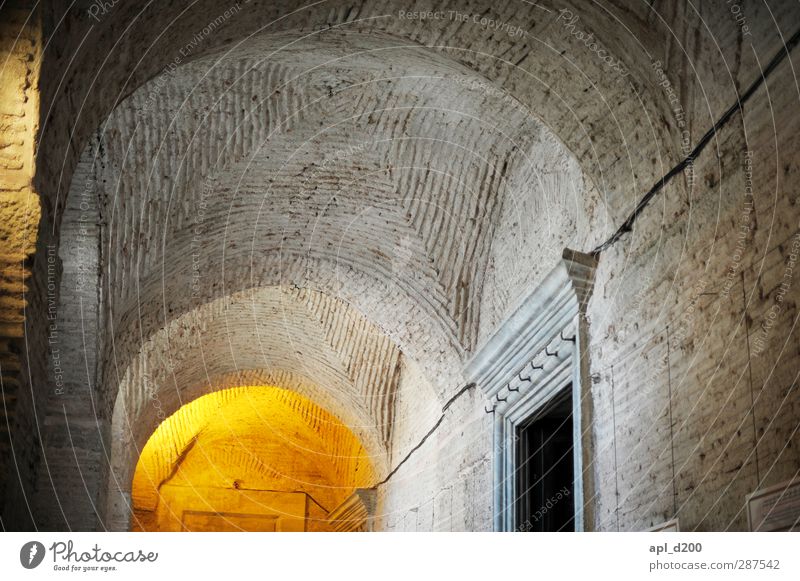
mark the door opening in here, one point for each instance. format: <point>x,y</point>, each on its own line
<point>544,478</point>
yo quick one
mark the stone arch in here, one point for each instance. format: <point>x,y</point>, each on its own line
<point>448,278</point>
<point>625,128</point>
<point>245,438</point>
<point>441,312</point>
<point>294,339</point>
<point>230,134</point>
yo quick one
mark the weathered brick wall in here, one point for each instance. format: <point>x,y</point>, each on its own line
<point>697,303</point>
<point>75,432</point>
<point>20,58</point>
<point>674,305</point>
<point>445,482</point>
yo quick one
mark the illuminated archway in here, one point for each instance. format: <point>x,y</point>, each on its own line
<point>247,458</point>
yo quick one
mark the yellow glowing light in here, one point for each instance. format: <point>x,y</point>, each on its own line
<point>247,458</point>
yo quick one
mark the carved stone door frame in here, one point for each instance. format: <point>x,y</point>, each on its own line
<point>536,352</point>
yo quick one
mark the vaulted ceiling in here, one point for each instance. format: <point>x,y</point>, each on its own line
<point>382,193</point>
<point>313,196</point>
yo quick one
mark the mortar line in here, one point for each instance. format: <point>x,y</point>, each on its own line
<point>614,421</point>
<point>750,374</point>
<point>671,434</point>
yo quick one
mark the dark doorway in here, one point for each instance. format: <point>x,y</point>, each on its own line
<point>544,475</point>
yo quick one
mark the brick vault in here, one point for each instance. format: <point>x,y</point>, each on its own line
<point>319,258</point>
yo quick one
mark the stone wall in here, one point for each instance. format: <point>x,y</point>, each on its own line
<point>76,431</point>
<point>693,346</point>
<point>20,55</point>
<point>705,309</point>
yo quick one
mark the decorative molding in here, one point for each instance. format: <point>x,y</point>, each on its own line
<point>532,356</point>
<point>356,513</point>
<point>533,324</point>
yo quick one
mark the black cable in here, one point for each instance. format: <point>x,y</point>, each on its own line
<point>627,225</point>
<point>461,392</point>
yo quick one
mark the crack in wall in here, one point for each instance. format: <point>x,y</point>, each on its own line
<point>627,225</point>
<point>430,432</point>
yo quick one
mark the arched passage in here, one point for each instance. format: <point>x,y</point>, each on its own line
<point>305,342</point>
<point>247,458</point>
<point>267,207</point>
<point>425,177</point>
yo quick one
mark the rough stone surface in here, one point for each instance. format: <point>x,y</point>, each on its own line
<point>21,411</point>
<point>346,201</point>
